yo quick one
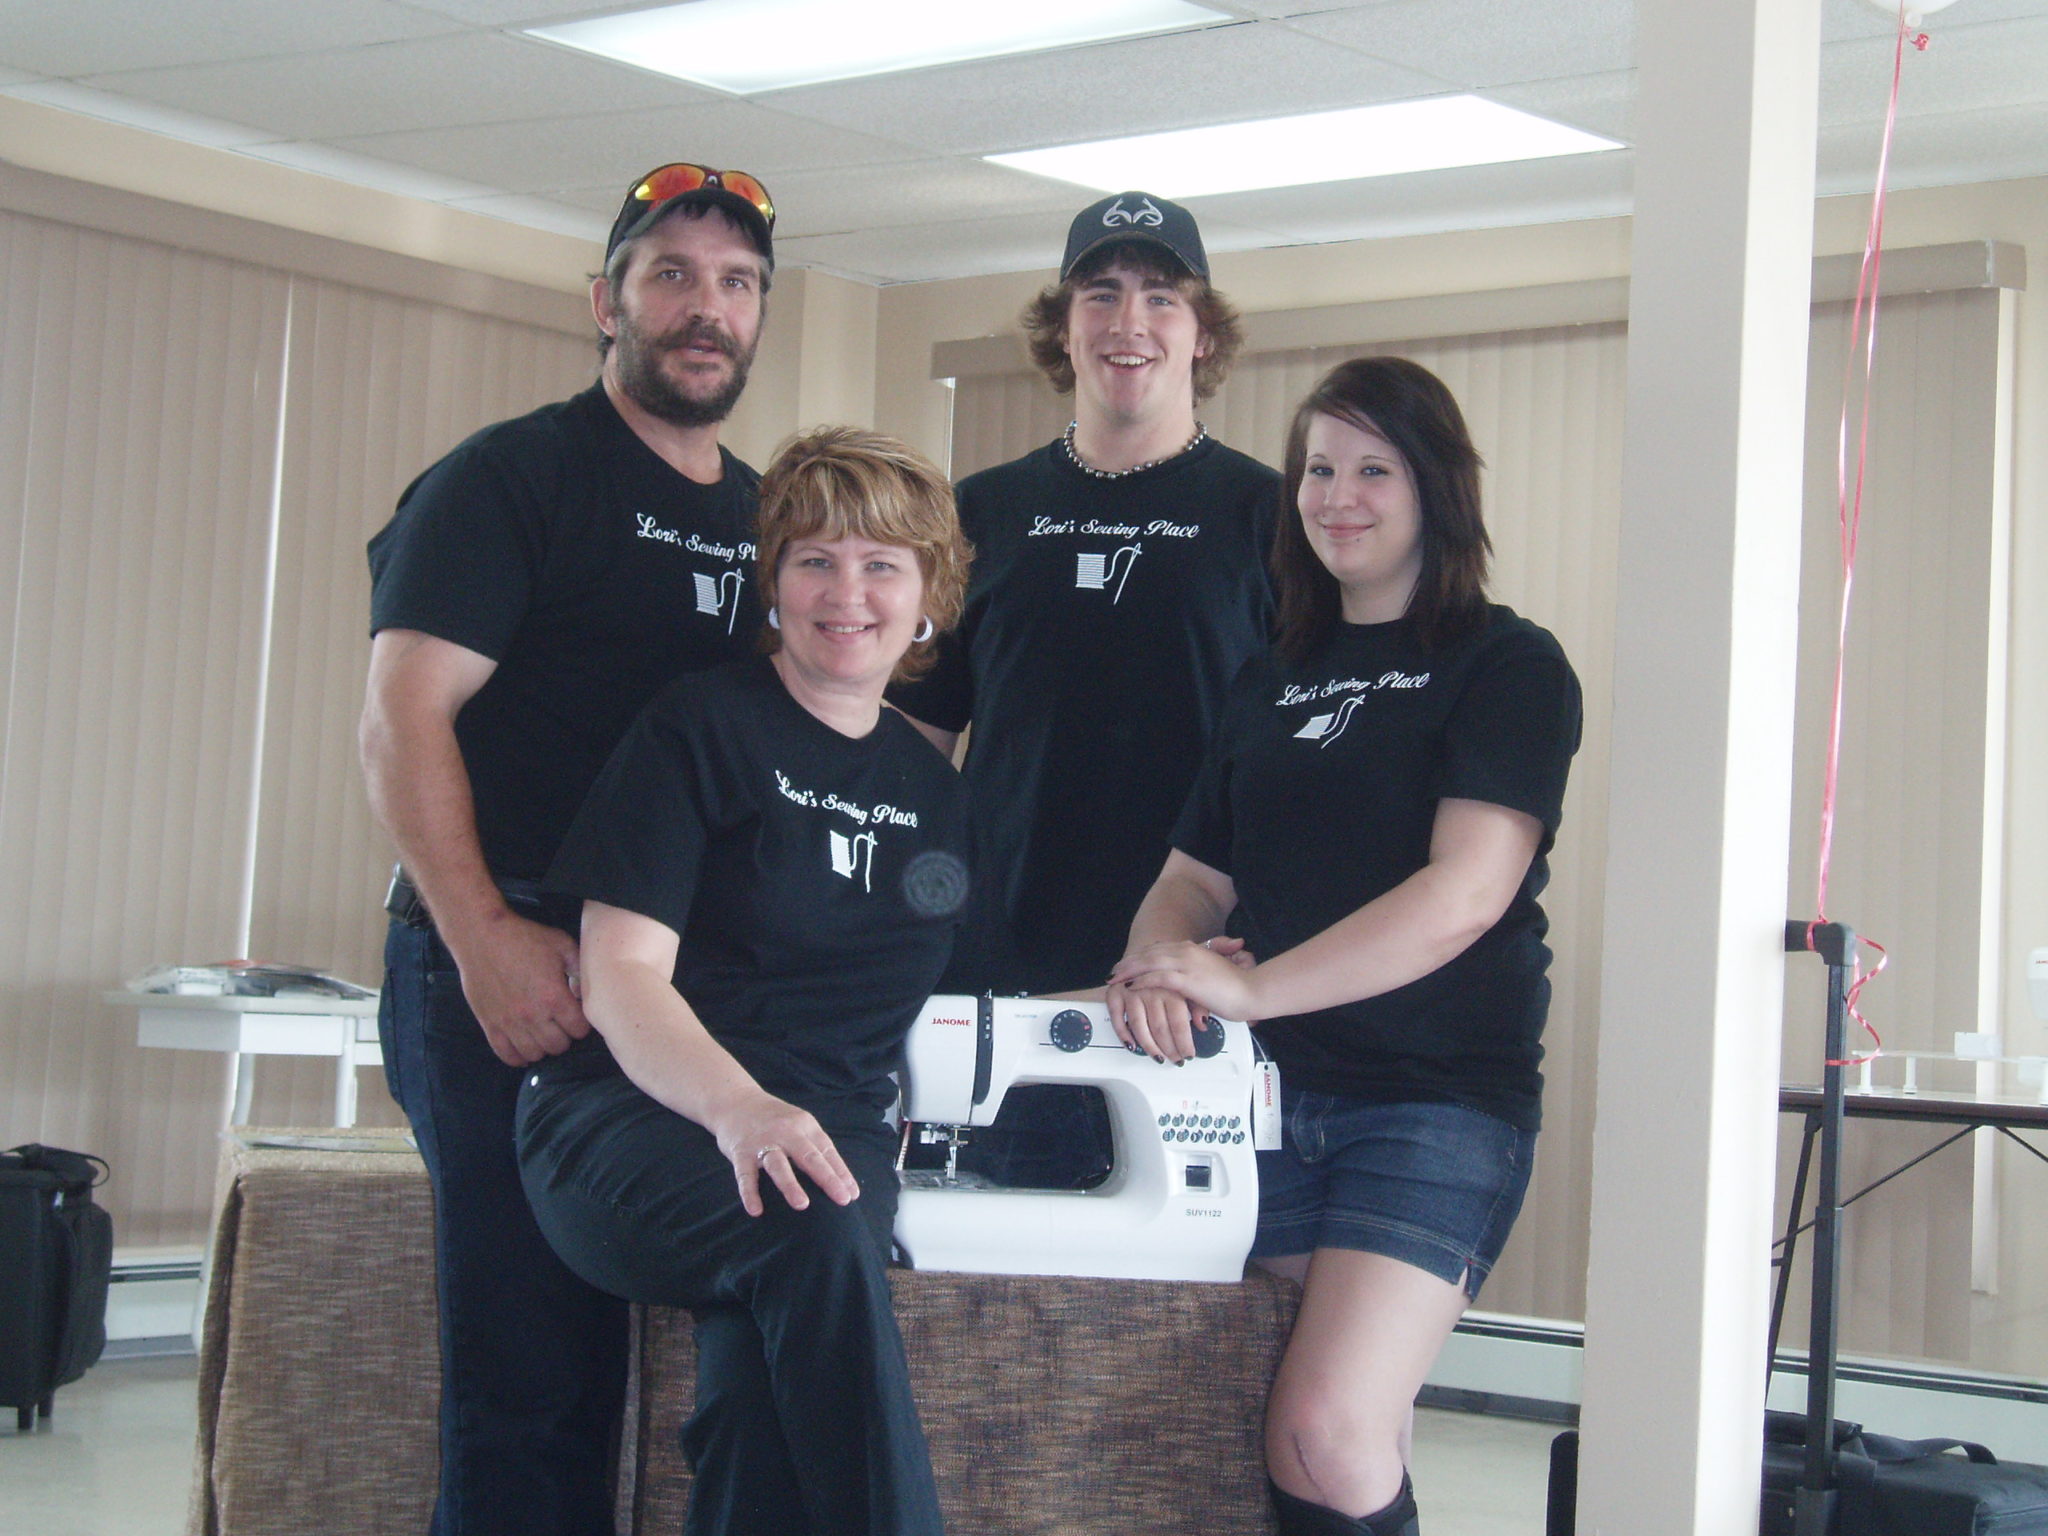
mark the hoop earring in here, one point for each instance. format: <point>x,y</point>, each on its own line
<point>924,631</point>
<point>774,619</point>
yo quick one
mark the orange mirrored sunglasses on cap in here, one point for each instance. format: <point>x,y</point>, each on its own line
<point>658,186</point>
<point>680,178</point>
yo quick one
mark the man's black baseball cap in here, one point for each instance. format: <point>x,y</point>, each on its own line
<point>1136,216</point>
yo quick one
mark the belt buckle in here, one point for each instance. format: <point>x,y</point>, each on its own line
<point>402,901</point>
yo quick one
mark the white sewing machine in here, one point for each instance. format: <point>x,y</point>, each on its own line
<point>1182,1198</point>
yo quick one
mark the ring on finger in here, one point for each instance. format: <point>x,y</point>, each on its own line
<point>761,1157</point>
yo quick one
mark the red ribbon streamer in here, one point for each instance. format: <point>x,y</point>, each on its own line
<point>1849,522</point>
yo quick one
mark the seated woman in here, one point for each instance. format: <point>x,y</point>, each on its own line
<point>1372,820</point>
<point>771,867</point>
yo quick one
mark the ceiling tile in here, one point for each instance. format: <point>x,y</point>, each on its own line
<point>2001,144</point>
<point>544,213</point>
<point>69,38</point>
<point>1858,18</point>
<point>1137,86</point>
<point>920,192</point>
<point>1468,197</point>
<point>922,252</point>
<point>1279,10</point>
<point>1603,103</point>
<point>1483,42</point>
<point>438,82</point>
<point>516,13</point>
<point>405,180</point>
<point>613,146</point>
<point>189,126</point>
<point>602,198</point>
<point>1998,64</point>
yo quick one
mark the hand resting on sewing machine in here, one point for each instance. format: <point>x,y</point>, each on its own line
<point>1479,853</point>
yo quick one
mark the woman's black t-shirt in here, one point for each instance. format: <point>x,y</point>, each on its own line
<point>815,879</point>
<point>1320,793</point>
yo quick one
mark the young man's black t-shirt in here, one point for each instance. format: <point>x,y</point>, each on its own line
<point>1104,622</point>
<point>1320,794</point>
<point>565,549</point>
<point>815,879</point>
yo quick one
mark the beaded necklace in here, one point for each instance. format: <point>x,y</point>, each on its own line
<point>1074,454</point>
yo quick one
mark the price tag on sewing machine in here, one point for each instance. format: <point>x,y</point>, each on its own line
<point>1266,1105</point>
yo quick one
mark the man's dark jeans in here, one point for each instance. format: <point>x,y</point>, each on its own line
<point>533,1360</point>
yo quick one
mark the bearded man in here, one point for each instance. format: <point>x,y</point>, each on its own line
<point>533,590</point>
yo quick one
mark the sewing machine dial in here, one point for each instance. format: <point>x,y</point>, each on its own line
<point>1071,1029</point>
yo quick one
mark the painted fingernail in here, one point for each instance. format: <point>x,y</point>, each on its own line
<point>1160,1059</point>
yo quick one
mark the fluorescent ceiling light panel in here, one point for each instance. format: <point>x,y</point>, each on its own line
<point>745,46</point>
<point>1428,135</point>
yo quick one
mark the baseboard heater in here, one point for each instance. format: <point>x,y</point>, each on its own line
<point>1531,1368</point>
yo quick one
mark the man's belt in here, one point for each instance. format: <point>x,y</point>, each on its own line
<point>402,900</point>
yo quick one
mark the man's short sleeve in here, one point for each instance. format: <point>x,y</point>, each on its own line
<point>1205,827</point>
<point>639,840</point>
<point>460,558</point>
<point>1511,737</point>
<point>944,696</point>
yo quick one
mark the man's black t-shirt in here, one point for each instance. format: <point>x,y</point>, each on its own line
<point>565,549</point>
<point>1320,793</point>
<point>815,879</point>
<point>1104,622</point>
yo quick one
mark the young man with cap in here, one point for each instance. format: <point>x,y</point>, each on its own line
<point>533,590</point>
<point>1119,582</point>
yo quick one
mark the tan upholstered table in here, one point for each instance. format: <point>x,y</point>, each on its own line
<point>1054,1407</point>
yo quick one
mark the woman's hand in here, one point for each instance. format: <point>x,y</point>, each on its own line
<point>764,1134</point>
<point>1152,1020</point>
<point>1213,981</point>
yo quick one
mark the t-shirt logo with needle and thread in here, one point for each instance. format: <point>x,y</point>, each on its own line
<point>853,856</point>
<point>1324,729</point>
<point>1096,571</point>
<point>715,598</point>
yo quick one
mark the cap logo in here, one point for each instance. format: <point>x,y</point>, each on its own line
<point>1117,214</point>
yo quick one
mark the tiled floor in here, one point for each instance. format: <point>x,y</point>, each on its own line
<point>116,1459</point>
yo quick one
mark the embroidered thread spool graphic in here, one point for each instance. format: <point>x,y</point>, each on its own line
<point>1097,571</point>
<point>1327,728</point>
<point>713,599</point>
<point>851,855</point>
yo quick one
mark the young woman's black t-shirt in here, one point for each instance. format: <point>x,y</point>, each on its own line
<point>1320,793</point>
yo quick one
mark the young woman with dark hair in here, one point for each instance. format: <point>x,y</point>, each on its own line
<point>1372,821</point>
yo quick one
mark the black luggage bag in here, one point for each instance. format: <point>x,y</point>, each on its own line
<point>56,1257</point>
<point>1889,1487</point>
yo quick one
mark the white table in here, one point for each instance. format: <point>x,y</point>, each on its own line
<point>242,1027</point>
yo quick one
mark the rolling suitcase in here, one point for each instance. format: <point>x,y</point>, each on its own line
<point>56,1257</point>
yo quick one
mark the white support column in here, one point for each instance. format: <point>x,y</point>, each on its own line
<point>1701,776</point>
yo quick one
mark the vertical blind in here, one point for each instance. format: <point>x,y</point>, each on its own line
<point>172,573</point>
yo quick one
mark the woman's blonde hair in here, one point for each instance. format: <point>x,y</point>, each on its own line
<point>846,483</point>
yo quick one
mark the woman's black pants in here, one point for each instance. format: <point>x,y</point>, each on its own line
<point>805,1423</point>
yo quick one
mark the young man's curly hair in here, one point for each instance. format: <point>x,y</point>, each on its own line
<point>1045,317</point>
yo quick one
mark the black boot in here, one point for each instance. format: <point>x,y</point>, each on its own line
<point>1298,1517</point>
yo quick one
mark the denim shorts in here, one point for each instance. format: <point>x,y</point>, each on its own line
<point>1433,1184</point>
